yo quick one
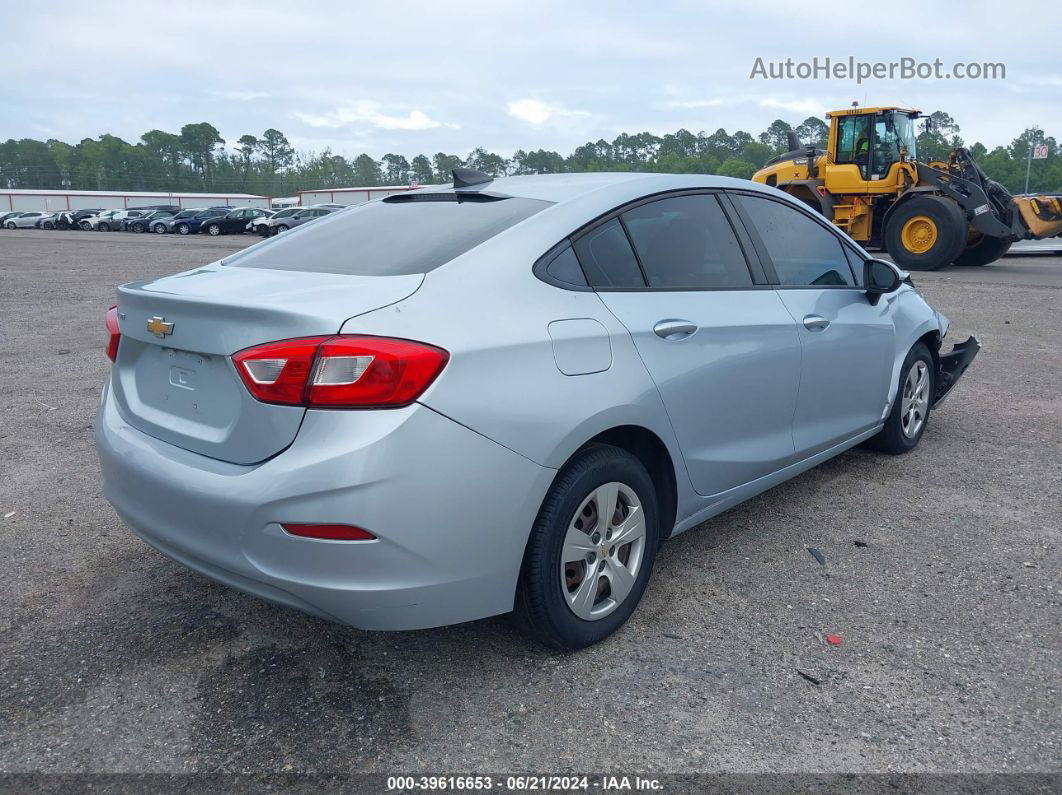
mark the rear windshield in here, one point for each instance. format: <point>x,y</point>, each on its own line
<point>413,233</point>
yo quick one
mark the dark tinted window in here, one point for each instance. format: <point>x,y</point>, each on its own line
<point>686,242</point>
<point>565,268</point>
<point>804,253</point>
<point>390,238</point>
<point>856,263</point>
<point>607,257</point>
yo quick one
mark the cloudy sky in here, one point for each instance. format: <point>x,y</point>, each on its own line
<point>412,77</point>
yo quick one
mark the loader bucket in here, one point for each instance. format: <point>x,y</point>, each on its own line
<point>1041,215</point>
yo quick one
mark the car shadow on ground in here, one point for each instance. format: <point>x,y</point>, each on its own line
<point>262,674</point>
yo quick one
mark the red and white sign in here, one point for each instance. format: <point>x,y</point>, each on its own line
<point>1039,152</point>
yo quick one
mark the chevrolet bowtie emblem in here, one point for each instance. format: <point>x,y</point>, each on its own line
<point>159,327</point>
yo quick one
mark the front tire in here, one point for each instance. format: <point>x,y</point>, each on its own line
<point>983,250</point>
<point>213,230</point>
<point>138,229</point>
<point>591,551</point>
<point>10,224</point>
<point>159,229</point>
<point>85,226</point>
<point>183,229</point>
<point>926,233</point>
<point>910,411</point>
<point>280,228</point>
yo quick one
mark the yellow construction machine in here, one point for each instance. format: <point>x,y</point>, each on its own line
<point>870,183</point>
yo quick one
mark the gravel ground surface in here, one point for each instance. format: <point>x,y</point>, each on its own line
<point>942,577</point>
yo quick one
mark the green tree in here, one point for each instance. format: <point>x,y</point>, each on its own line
<point>776,135</point>
<point>395,169</point>
<point>422,170</point>
<point>276,150</point>
<point>443,164</point>
<point>199,141</point>
<point>487,162</point>
<point>813,131</point>
<point>367,171</point>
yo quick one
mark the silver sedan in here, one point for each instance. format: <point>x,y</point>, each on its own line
<point>504,395</point>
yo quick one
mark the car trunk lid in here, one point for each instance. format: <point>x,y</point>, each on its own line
<point>174,378</point>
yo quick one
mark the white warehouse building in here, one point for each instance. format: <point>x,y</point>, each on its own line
<point>27,200</point>
<point>308,198</point>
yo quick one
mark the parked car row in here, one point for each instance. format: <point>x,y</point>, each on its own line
<point>164,219</point>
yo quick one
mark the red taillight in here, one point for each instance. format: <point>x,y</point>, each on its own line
<point>340,372</point>
<point>329,532</point>
<point>113,335</point>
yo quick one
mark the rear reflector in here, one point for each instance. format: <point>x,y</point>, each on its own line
<point>329,532</point>
<point>347,371</point>
<point>113,335</point>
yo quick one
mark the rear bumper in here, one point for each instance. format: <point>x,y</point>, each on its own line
<point>952,365</point>
<point>451,510</point>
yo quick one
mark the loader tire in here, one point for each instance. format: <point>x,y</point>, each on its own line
<point>983,251</point>
<point>926,233</point>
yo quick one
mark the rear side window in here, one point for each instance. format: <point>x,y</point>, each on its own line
<point>804,253</point>
<point>686,242</point>
<point>607,257</point>
<point>416,234</point>
<point>565,268</point>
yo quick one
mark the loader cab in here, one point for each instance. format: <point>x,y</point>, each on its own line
<point>870,148</point>
<point>874,141</point>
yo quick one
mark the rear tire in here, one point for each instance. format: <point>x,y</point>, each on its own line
<point>910,411</point>
<point>557,602</point>
<point>925,233</point>
<point>983,251</point>
<point>103,228</point>
<point>47,225</point>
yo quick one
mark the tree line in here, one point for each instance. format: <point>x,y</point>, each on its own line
<point>198,159</point>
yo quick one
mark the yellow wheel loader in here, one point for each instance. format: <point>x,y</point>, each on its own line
<point>870,183</point>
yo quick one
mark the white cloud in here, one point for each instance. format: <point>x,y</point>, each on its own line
<point>808,106</point>
<point>689,104</point>
<point>240,96</point>
<point>535,111</point>
<point>369,113</point>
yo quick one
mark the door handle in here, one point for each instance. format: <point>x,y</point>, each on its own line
<point>674,329</point>
<point>815,323</point>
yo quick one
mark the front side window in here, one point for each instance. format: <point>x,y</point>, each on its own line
<point>412,234</point>
<point>804,253</point>
<point>686,242</point>
<point>607,257</point>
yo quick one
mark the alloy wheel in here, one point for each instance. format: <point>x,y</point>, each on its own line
<point>602,551</point>
<point>914,404</point>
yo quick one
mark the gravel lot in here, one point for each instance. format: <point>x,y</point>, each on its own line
<point>114,659</point>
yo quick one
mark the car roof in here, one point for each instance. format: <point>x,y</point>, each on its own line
<point>623,186</point>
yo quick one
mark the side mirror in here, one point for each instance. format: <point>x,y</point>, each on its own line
<point>879,278</point>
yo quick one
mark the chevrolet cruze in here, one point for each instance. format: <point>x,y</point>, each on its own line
<point>504,395</point>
